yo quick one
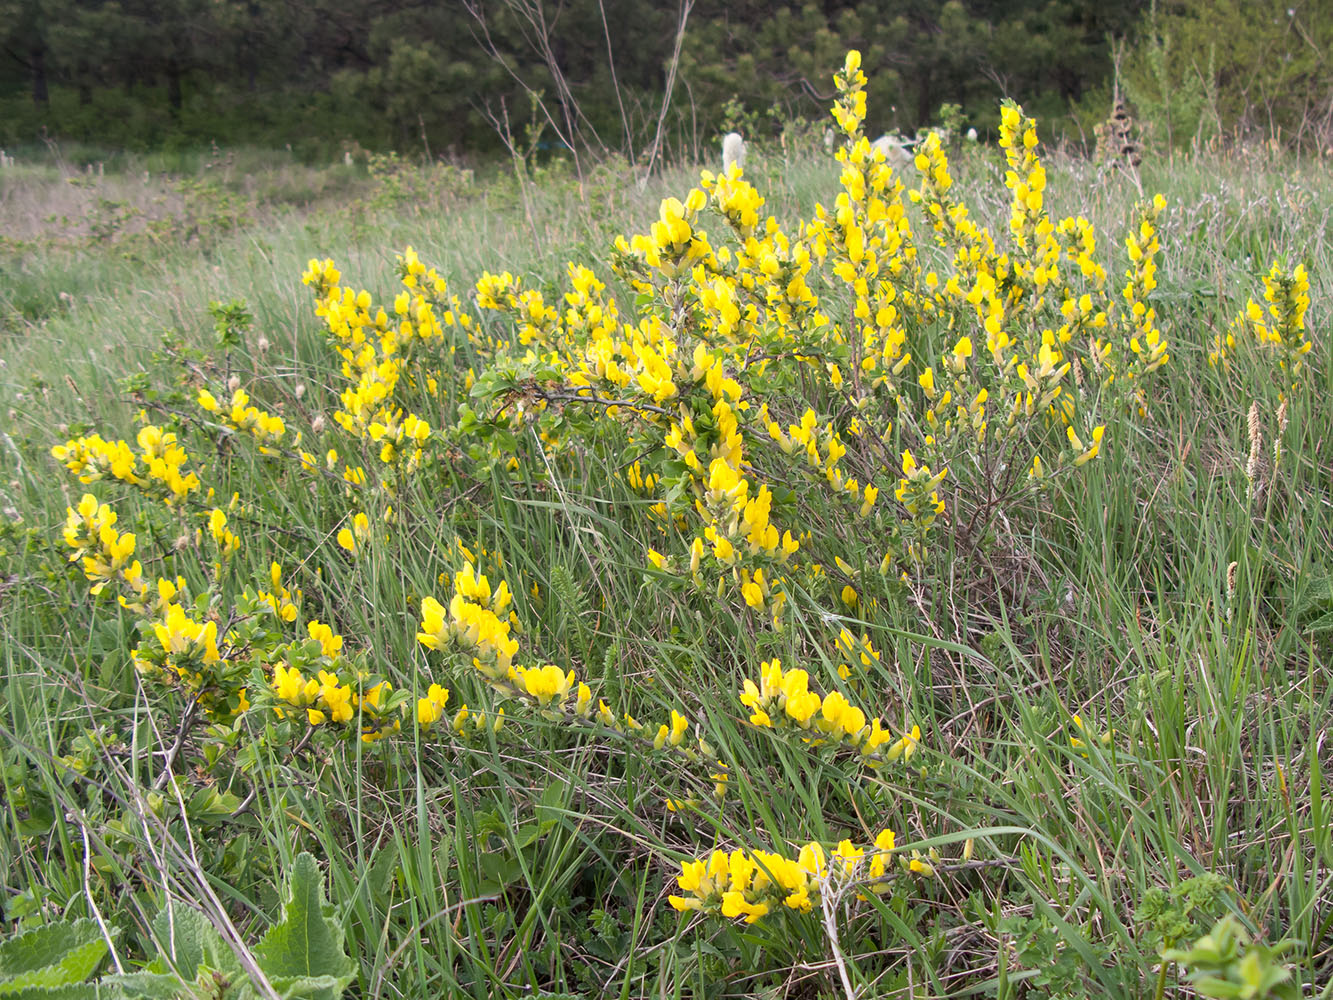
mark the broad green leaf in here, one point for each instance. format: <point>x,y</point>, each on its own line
<point>143,986</point>
<point>1321,624</point>
<point>187,939</point>
<point>51,955</point>
<point>71,991</point>
<point>309,987</point>
<point>307,943</point>
<point>209,803</point>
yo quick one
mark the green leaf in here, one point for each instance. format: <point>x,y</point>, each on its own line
<point>307,944</point>
<point>308,987</point>
<point>52,955</point>
<point>188,939</point>
<point>1321,624</point>
<point>209,803</point>
<point>70,991</point>
<point>143,986</point>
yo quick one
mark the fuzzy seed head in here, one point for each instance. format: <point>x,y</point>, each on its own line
<point>1254,464</point>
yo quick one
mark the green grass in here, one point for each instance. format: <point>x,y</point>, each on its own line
<point>539,858</point>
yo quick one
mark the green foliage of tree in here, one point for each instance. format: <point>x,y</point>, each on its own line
<point>446,77</point>
<point>1215,67</point>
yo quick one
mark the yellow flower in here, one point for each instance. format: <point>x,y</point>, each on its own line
<point>919,867</point>
<point>329,643</point>
<point>431,707</point>
<point>849,856</point>
<point>927,381</point>
<point>885,842</point>
<point>906,746</point>
<point>1086,454</point>
<point>434,632</point>
<point>549,684</point>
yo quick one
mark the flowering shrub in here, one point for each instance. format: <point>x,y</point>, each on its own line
<point>1277,331</point>
<point>757,374</point>
<point>835,355</point>
<point>749,885</point>
<point>796,424</point>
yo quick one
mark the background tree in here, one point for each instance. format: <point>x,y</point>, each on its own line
<point>417,75</point>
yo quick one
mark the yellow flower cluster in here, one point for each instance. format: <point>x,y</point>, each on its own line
<point>280,600</point>
<point>474,621</point>
<point>849,110</point>
<point>643,369</point>
<point>183,639</point>
<point>92,458</point>
<point>1013,297</point>
<point>465,722</point>
<point>224,538</point>
<point>152,599</point>
<point>241,416</point>
<point>1029,225</point>
<point>537,322</point>
<point>1078,743</point>
<point>184,652</point>
<point>375,345</point>
<point>857,656</point>
<point>673,244</point>
<point>748,885</point>
<point>1145,339</point>
<point>315,680</point>
<point>397,435</point>
<point>718,331</point>
<point>917,492</point>
<point>90,530</point>
<point>1277,329</point>
<point>325,697</point>
<point>181,650</point>
<point>805,437</point>
<point>784,698</point>
<point>480,620</point>
<point>357,534</point>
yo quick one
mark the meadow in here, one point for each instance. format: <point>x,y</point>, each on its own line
<point>810,582</point>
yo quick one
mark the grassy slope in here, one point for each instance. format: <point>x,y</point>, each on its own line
<point>1116,610</point>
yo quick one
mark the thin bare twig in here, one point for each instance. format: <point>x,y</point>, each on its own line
<point>655,150</point>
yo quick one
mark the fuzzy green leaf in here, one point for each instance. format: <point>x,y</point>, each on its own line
<point>52,955</point>
<point>143,986</point>
<point>309,987</point>
<point>307,943</point>
<point>70,991</point>
<point>187,940</point>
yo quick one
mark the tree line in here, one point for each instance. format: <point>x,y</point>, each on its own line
<point>628,76</point>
